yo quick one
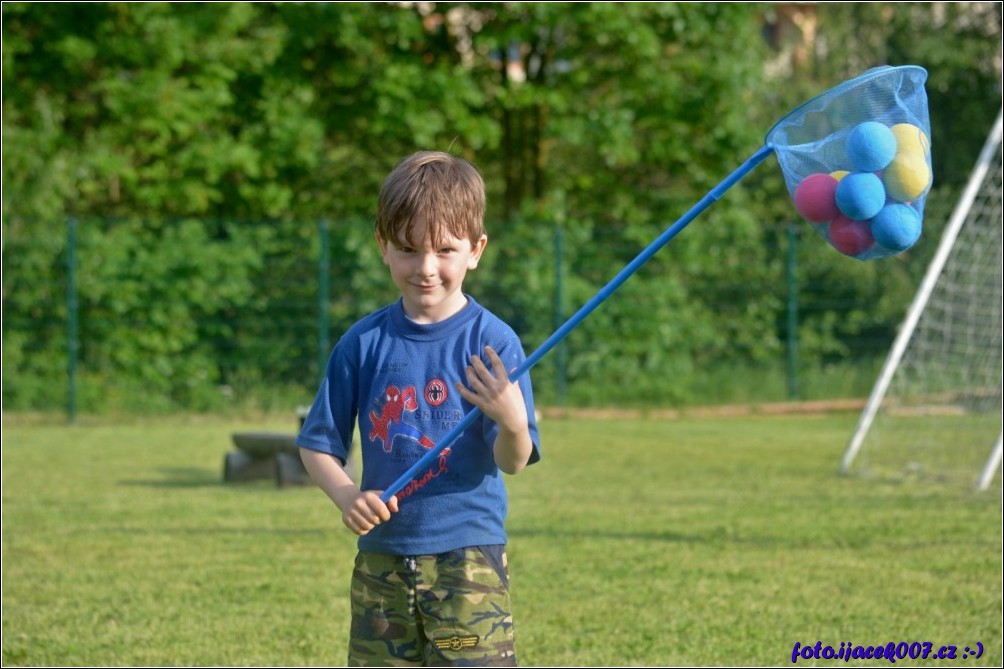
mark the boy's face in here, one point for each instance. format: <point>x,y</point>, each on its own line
<point>431,278</point>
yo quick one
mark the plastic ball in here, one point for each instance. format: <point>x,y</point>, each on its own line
<point>850,237</point>
<point>839,174</point>
<point>860,195</point>
<point>814,198</point>
<point>871,146</point>
<point>907,177</point>
<point>896,227</point>
<point>910,139</point>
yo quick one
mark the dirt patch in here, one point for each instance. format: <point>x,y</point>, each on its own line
<point>817,407</point>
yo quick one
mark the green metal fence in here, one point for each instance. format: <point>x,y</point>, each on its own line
<point>201,312</point>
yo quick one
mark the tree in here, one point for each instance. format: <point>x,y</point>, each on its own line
<point>848,307</point>
<point>200,146</point>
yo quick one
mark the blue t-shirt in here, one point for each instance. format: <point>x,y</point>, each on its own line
<point>398,377</point>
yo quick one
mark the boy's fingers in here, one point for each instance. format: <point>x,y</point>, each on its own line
<point>472,376</point>
<point>479,377</point>
<point>497,365</point>
<point>479,366</point>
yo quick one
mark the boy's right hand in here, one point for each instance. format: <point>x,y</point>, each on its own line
<point>367,511</point>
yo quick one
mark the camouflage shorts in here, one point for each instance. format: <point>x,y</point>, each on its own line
<point>450,609</point>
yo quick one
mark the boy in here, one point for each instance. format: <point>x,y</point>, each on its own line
<point>430,584</point>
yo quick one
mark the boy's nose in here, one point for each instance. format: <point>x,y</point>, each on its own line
<point>427,264</point>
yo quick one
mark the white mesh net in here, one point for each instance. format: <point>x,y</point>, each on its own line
<point>940,415</point>
<point>857,161</point>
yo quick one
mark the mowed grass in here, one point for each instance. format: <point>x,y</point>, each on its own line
<point>693,541</point>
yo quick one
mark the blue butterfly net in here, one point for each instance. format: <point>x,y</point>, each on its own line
<point>857,161</point>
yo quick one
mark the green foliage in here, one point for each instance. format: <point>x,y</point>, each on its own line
<point>200,146</point>
<point>152,304</point>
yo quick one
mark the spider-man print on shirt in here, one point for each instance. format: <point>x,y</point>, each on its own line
<point>390,425</point>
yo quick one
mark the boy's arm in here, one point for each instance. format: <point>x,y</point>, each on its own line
<point>512,449</point>
<point>501,400</point>
<point>361,511</point>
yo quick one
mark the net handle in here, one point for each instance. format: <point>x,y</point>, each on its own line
<point>710,198</point>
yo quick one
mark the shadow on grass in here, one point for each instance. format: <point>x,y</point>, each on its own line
<point>617,535</point>
<point>190,477</point>
<point>220,531</point>
<point>193,477</point>
<point>715,536</point>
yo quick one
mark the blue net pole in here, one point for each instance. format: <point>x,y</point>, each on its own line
<point>713,195</point>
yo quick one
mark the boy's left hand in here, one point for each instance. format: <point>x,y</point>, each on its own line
<point>493,392</point>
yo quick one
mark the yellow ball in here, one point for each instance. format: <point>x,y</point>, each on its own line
<point>839,174</point>
<point>911,139</point>
<point>907,177</point>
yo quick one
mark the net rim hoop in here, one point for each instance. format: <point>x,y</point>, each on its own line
<point>843,87</point>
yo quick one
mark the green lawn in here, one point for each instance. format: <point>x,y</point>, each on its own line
<point>633,542</point>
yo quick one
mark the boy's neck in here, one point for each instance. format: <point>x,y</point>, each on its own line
<point>436,314</point>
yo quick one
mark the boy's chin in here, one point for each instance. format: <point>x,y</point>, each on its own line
<point>433,307</point>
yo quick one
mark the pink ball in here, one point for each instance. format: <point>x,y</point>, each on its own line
<point>850,237</point>
<point>815,198</point>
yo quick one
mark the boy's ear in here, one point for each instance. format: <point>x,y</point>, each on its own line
<point>477,248</point>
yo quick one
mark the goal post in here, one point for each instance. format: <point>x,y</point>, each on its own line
<point>993,463</point>
<point>937,400</point>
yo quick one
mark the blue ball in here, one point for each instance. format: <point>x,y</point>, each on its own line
<point>896,227</point>
<point>871,146</point>
<point>860,195</point>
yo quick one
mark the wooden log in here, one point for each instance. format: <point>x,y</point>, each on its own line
<point>263,455</point>
<point>239,466</point>
<point>289,470</point>
<point>265,444</point>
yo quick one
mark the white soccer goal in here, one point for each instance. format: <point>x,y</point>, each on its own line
<point>935,411</point>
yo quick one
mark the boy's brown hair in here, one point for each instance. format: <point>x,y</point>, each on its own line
<point>444,191</point>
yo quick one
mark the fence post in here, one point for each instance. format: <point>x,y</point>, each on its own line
<point>559,312</point>
<point>792,338</point>
<point>323,272</point>
<point>72,307</point>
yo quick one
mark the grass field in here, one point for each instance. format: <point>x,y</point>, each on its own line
<point>692,541</point>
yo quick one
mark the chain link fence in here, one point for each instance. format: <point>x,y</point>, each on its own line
<point>152,315</point>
